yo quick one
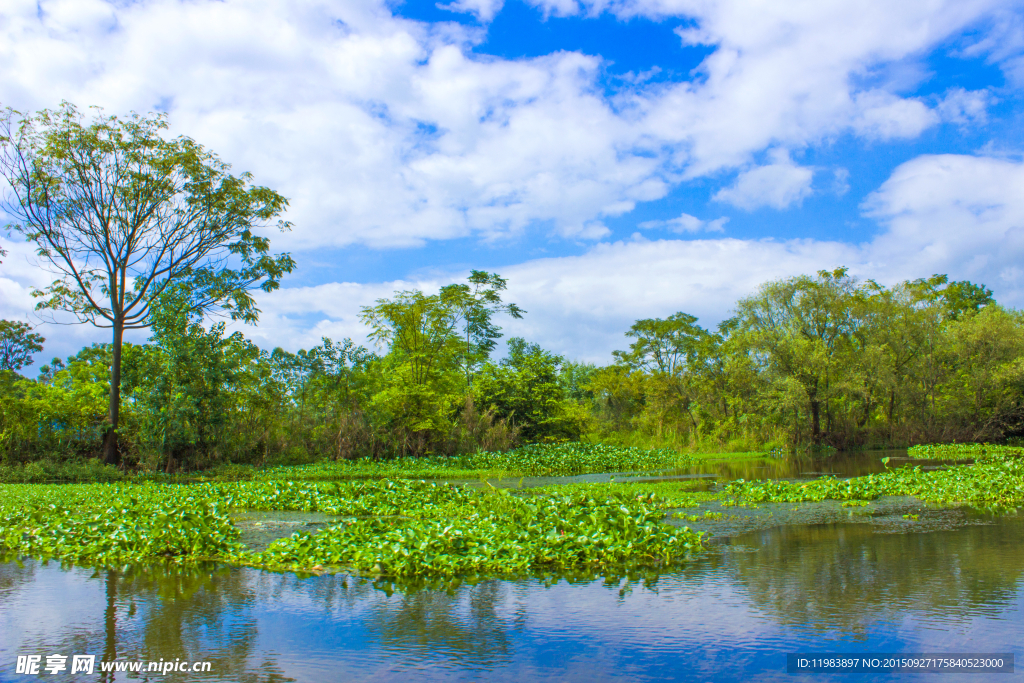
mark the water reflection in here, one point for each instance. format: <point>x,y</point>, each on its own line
<point>731,614</point>
<point>844,577</point>
<point>839,464</point>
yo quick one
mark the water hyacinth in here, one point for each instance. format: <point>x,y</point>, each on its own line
<point>953,451</point>
<point>578,458</point>
<point>532,460</point>
<point>506,534</point>
<point>395,528</point>
<point>996,485</point>
<point>112,524</point>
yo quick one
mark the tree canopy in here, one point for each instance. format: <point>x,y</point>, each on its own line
<point>121,214</point>
<point>17,344</point>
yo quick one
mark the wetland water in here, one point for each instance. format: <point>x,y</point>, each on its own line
<point>896,576</point>
<point>855,464</point>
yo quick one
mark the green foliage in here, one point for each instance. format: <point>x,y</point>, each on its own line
<point>112,524</point>
<point>393,528</point>
<point>996,485</point>
<point>182,391</point>
<point>525,389</point>
<point>819,362</point>
<point>59,416</point>
<point>963,450</point>
<point>531,460</point>
<point>577,458</point>
<point>113,197</point>
<point>17,344</point>
<point>45,471</point>
<point>502,535</point>
<point>669,346</point>
<point>435,342</point>
<point>123,216</point>
<point>824,361</point>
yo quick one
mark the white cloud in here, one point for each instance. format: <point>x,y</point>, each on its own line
<point>840,181</point>
<point>778,185</point>
<point>483,10</point>
<point>795,74</point>
<point>20,273</point>
<point>687,223</point>
<point>387,132</point>
<point>1002,44</point>
<point>964,106</point>
<point>960,215</point>
<point>953,213</point>
<point>883,116</point>
<point>382,131</point>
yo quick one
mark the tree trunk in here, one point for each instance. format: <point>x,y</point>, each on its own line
<point>110,624</point>
<point>111,453</point>
<point>815,421</point>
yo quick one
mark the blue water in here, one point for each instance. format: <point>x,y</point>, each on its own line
<point>732,614</point>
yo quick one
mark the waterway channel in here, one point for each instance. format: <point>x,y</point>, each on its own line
<point>896,577</point>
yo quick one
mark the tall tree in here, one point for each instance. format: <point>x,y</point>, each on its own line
<point>17,344</point>
<point>477,302</point>
<point>434,341</point>
<point>120,214</point>
<point>799,331</point>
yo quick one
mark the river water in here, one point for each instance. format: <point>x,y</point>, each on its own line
<point>852,581</point>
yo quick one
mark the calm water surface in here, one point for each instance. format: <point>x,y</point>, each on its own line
<point>863,585</point>
<point>846,464</point>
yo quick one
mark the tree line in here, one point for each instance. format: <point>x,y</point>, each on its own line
<point>822,361</point>
<point>195,396</point>
<point>142,232</point>
<point>818,361</point>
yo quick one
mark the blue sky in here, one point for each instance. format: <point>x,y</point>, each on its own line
<point>615,160</point>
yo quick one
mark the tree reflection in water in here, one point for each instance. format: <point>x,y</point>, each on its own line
<point>842,577</point>
<point>736,605</point>
<point>465,626</point>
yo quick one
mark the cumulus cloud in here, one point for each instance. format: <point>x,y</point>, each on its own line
<point>381,131</point>
<point>20,273</point>
<point>687,223</point>
<point>483,10</point>
<point>840,181</point>
<point>793,74</point>
<point>956,214</point>
<point>389,132</point>
<point>778,185</point>
<point>965,106</point>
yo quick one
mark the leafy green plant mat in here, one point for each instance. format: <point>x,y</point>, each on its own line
<point>531,460</point>
<point>404,529</point>
<point>995,485</point>
<point>387,528</point>
<point>952,451</point>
